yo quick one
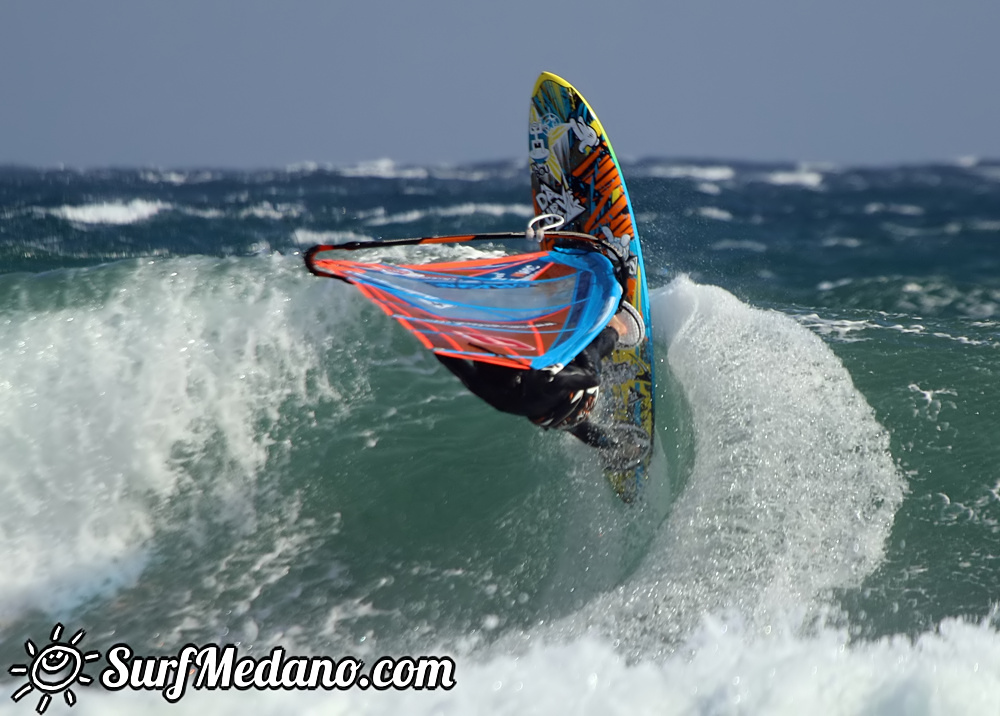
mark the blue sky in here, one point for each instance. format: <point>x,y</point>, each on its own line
<point>241,83</point>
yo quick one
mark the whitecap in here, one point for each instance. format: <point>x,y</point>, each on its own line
<point>267,210</point>
<point>830,285</point>
<point>744,245</point>
<point>177,178</point>
<point>305,237</point>
<point>989,172</point>
<point>910,232</point>
<point>712,212</point>
<point>461,174</point>
<point>840,330</point>
<point>111,212</point>
<point>904,209</point>
<point>383,169</point>
<point>799,177</point>
<point>202,213</point>
<point>692,171</point>
<point>306,167</point>
<point>379,217</point>
<point>158,177</point>
<point>845,241</point>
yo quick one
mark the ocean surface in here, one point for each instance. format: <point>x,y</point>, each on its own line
<point>200,442</point>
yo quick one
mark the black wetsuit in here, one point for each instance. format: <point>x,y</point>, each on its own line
<point>540,395</point>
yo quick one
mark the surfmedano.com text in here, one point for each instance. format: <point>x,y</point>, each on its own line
<point>212,667</point>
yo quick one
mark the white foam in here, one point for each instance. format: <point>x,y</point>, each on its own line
<point>424,253</point>
<point>909,232</point>
<point>800,177</point>
<point>990,171</point>
<point>930,404</point>
<point>383,169</point>
<point>712,212</point>
<point>307,167</point>
<point>177,178</point>
<point>431,252</point>
<point>202,213</point>
<point>461,174</point>
<point>830,285</point>
<point>100,395</point>
<point>845,241</point>
<point>904,209</point>
<point>932,295</point>
<point>692,171</point>
<point>792,493</point>
<point>726,669</point>
<point>841,330</point>
<point>388,169</point>
<point>306,237</point>
<point>793,489</point>
<point>380,217</point>
<point>739,245</point>
<point>158,177</point>
<point>267,210</point>
<point>111,212</point>
<point>722,669</point>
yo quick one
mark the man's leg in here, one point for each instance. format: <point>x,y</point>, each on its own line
<point>591,434</point>
<point>621,446</point>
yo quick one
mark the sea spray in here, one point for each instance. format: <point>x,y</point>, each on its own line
<point>792,492</point>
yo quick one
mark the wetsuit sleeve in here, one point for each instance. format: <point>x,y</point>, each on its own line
<point>460,367</point>
<point>534,393</point>
<point>511,390</point>
<point>601,347</point>
<point>578,375</point>
<point>545,391</point>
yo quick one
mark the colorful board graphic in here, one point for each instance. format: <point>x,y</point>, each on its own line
<point>575,174</point>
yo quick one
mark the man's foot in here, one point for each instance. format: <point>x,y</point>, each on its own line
<point>628,322</point>
<point>627,447</point>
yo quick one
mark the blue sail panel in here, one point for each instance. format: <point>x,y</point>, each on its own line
<point>534,310</point>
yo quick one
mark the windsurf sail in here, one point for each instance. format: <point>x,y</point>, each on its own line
<point>533,310</point>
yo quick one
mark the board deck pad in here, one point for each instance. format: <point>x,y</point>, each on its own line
<point>575,174</point>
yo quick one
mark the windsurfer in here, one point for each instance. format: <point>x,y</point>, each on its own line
<point>559,400</point>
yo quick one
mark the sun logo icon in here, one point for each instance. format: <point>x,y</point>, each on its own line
<point>53,669</point>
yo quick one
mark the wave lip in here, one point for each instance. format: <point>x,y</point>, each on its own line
<point>136,384</point>
<point>792,490</point>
